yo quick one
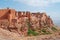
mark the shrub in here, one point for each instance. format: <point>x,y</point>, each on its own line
<point>54,29</point>
<point>45,31</point>
<point>32,32</point>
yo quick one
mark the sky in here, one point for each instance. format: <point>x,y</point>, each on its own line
<point>51,7</point>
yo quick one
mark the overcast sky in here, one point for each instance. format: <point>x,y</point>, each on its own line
<point>51,7</point>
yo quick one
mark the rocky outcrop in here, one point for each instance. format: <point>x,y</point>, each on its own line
<point>20,22</point>
<point>6,35</point>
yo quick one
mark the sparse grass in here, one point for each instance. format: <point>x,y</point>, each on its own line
<point>31,32</point>
<point>44,31</point>
<point>54,29</point>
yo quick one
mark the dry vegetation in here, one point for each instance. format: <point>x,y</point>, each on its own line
<point>27,26</point>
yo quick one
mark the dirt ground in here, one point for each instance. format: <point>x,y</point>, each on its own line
<point>6,35</point>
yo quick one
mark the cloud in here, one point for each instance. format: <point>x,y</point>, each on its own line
<point>38,3</point>
<point>54,1</point>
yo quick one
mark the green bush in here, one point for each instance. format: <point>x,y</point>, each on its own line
<point>29,30</point>
<point>32,32</point>
<point>45,32</point>
<point>54,29</point>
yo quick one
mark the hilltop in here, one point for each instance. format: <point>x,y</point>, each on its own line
<point>24,24</point>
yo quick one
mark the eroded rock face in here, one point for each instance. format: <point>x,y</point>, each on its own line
<point>21,21</point>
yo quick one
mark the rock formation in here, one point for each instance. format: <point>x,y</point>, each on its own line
<point>21,21</point>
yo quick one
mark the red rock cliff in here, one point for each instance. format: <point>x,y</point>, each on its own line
<point>18,21</point>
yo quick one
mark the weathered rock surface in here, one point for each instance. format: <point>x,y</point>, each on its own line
<point>6,35</point>
<point>20,22</point>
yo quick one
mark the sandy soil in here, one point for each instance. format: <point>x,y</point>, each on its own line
<point>6,35</point>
